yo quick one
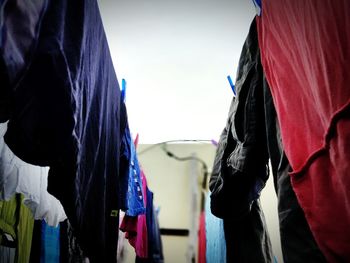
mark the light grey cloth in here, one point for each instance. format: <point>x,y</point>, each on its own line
<point>17,176</point>
<point>7,254</point>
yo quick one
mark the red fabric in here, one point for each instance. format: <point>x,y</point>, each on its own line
<point>135,227</point>
<point>323,193</point>
<point>305,52</point>
<point>202,241</point>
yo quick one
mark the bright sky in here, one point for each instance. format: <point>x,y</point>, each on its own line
<point>175,56</point>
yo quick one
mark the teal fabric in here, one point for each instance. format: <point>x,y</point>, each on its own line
<point>216,245</point>
<point>50,243</point>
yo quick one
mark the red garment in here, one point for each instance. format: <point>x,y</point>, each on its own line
<point>135,227</point>
<point>202,241</point>
<point>305,52</point>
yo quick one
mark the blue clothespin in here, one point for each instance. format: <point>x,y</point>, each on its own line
<point>123,91</point>
<point>231,84</point>
<point>257,5</point>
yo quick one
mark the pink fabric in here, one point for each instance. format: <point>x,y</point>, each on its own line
<point>305,52</point>
<point>135,227</point>
<point>202,247</point>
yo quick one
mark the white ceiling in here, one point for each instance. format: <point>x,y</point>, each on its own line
<point>175,56</point>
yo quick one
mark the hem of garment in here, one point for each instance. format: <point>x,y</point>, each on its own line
<point>325,147</point>
<point>320,193</point>
<point>135,212</point>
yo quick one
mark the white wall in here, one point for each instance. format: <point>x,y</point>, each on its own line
<point>269,205</point>
<point>169,180</point>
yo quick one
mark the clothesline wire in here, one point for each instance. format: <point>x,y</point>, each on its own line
<point>185,158</point>
<point>172,141</point>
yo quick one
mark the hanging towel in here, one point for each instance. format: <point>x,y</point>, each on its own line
<point>305,51</point>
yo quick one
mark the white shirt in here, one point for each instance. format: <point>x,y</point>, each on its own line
<point>17,176</point>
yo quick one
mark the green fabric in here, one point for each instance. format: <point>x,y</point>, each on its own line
<point>8,216</point>
<point>17,220</point>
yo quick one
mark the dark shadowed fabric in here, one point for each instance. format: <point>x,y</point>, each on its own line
<point>240,165</point>
<point>20,23</point>
<point>297,241</point>
<point>247,240</point>
<point>65,115</point>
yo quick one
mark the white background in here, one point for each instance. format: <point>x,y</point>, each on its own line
<point>175,57</point>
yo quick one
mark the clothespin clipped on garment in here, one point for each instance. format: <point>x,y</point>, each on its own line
<point>136,141</point>
<point>123,91</point>
<point>231,84</point>
<point>257,5</point>
<point>214,142</point>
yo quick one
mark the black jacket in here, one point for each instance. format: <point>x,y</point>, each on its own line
<point>241,163</point>
<point>250,138</point>
<point>240,168</point>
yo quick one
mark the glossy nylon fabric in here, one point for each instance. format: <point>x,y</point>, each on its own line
<point>66,115</point>
<point>305,51</point>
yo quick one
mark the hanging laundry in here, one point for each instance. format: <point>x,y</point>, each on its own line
<point>135,227</point>
<point>122,243</point>
<point>155,249</point>
<point>20,24</point>
<point>65,113</point>
<point>50,240</point>
<point>202,246</point>
<point>240,166</point>
<point>130,186</point>
<point>241,162</point>
<point>312,99</point>
<point>17,176</point>
<point>46,243</point>
<point>7,254</point>
<point>247,240</point>
<point>215,238</point>
<point>297,241</point>
<point>70,250</point>
<point>16,227</point>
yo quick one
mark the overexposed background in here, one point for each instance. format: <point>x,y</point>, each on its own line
<point>175,56</point>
